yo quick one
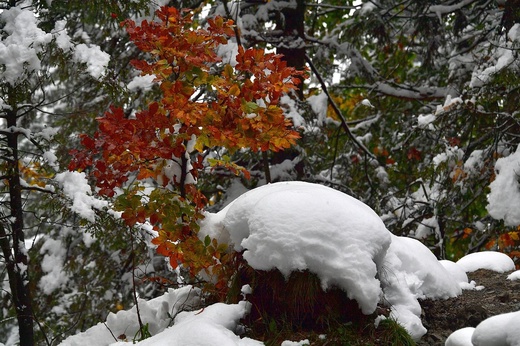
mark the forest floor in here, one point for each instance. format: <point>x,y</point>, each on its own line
<point>442,317</point>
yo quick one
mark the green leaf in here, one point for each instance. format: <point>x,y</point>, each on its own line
<point>249,106</point>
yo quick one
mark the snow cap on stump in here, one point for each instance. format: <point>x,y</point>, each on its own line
<point>294,226</point>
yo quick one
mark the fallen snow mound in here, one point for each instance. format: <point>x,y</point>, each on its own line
<point>411,272</point>
<point>499,330</point>
<point>294,226</point>
<point>490,260</point>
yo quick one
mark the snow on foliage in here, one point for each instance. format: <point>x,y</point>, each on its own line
<point>19,49</point>
<point>319,104</point>
<point>52,266</point>
<point>213,325</point>
<point>23,41</point>
<point>95,59</point>
<point>502,59</point>
<point>75,186</point>
<point>142,82</point>
<point>514,33</point>
<point>506,183</point>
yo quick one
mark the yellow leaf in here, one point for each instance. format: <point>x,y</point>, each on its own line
<point>234,90</point>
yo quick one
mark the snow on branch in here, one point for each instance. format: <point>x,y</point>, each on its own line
<point>76,187</point>
<point>439,10</point>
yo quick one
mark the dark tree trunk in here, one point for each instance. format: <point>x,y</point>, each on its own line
<point>292,46</point>
<point>291,21</point>
<point>14,251</point>
<point>511,14</point>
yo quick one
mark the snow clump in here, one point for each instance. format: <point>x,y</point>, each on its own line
<point>507,184</point>
<point>490,260</point>
<point>76,187</point>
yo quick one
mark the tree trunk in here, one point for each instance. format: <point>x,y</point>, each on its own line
<point>292,46</point>
<point>14,252</point>
<point>291,22</point>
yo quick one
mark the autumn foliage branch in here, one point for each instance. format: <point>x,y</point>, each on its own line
<point>162,147</point>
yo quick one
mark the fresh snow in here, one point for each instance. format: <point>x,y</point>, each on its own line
<point>490,260</point>
<point>319,104</point>
<point>498,330</point>
<point>461,337</point>
<point>506,183</point>
<point>459,274</point>
<point>411,271</point>
<point>501,59</point>
<point>295,226</point>
<point>23,41</point>
<point>19,49</point>
<point>75,186</point>
<point>142,82</point>
<point>52,266</point>
<point>282,226</point>
<point>95,59</point>
<point>514,276</point>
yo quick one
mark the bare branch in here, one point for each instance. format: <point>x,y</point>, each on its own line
<point>336,109</point>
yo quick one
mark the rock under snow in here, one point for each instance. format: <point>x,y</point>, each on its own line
<point>490,260</point>
<point>499,330</point>
<point>461,337</point>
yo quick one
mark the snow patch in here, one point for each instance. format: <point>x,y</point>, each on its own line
<point>142,82</point>
<point>411,272</point>
<point>76,187</point>
<point>157,313</point>
<point>95,59</point>
<point>461,337</point>
<point>506,183</point>
<point>490,260</point>
<point>19,49</point>
<point>514,276</point>
<point>498,330</point>
<point>456,271</point>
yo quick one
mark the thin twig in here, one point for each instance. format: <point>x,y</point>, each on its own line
<point>110,331</point>
<point>336,109</point>
<point>141,324</point>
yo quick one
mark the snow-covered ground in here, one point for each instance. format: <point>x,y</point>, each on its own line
<point>297,226</point>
